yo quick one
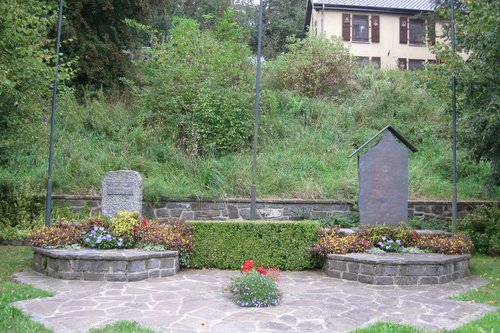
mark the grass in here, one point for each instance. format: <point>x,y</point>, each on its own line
<point>14,259</point>
<point>304,146</point>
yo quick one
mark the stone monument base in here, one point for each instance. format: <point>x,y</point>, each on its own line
<point>397,268</point>
<point>105,265</point>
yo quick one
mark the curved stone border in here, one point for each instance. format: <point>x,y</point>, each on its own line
<point>397,268</point>
<point>105,265</point>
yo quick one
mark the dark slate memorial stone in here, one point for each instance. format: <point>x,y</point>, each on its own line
<point>383,177</point>
<point>121,191</point>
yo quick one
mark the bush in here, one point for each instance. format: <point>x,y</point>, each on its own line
<point>56,236</point>
<point>176,235</point>
<point>430,224</point>
<point>483,227</point>
<point>342,221</point>
<point>281,244</point>
<point>445,244</point>
<point>124,224</point>
<point>332,241</point>
<point>375,233</point>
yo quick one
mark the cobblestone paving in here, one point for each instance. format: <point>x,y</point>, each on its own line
<point>195,301</point>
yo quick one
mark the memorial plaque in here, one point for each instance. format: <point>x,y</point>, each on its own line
<point>121,191</point>
<point>383,178</point>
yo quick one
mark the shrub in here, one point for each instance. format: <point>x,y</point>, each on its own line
<point>332,241</point>
<point>124,224</point>
<point>255,288</point>
<point>280,244</point>
<point>56,236</point>
<point>445,244</point>
<point>483,227</point>
<point>431,224</point>
<point>375,233</point>
<point>100,238</point>
<point>174,236</point>
<point>343,221</point>
<point>313,67</point>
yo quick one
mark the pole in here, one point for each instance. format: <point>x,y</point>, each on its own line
<point>454,125</point>
<point>253,211</point>
<point>48,200</point>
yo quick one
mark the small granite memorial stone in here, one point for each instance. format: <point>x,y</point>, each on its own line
<point>121,191</point>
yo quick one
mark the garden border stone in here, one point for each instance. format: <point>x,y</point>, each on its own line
<point>397,268</point>
<point>105,265</point>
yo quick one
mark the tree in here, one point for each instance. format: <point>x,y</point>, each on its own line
<point>101,39</point>
<point>478,34</point>
<point>198,87</point>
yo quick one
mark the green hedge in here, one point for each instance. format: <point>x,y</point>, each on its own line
<point>279,244</point>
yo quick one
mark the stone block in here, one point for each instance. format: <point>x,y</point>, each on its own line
<point>447,269</point>
<point>338,265</point>
<point>167,272</point>
<point>352,267</point>
<point>64,265</point>
<point>387,270</point>
<point>121,191</point>
<point>245,214</point>
<point>384,280</point>
<point>433,270</point>
<point>405,280</point>
<point>162,212</point>
<point>232,212</point>
<point>148,210</point>
<point>367,269</point>
<point>94,276</point>
<point>167,263</point>
<point>176,212</point>
<point>119,266</point>
<point>152,263</point>
<point>82,265</point>
<point>204,214</point>
<point>70,275</point>
<point>100,266</point>
<point>187,215</point>
<point>366,279</point>
<point>154,274</point>
<point>116,277</point>
<point>138,276</point>
<point>444,279</point>
<point>334,274</point>
<point>136,266</point>
<point>412,270</point>
<point>437,209</point>
<point>52,263</point>
<point>178,205</point>
<point>428,280</point>
<point>350,276</point>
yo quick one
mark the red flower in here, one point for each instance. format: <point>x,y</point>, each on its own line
<point>145,223</point>
<point>366,242</point>
<point>247,266</point>
<point>135,229</point>
<point>414,235</point>
<point>262,271</point>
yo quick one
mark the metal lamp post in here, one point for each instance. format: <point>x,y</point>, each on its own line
<point>253,211</point>
<point>48,200</point>
<point>454,125</point>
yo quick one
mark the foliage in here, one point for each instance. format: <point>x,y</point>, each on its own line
<point>176,235</point>
<point>445,244</point>
<point>198,88</point>
<point>313,67</point>
<point>376,251</point>
<point>478,82</point>
<point>374,233</point>
<point>430,224</point>
<point>100,238</point>
<point>256,287</point>
<point>483,227</point>
<point>95,32</point>
<point>281,244</point>
<point>332,241</point>
<point>124,224</point>
<point>343,221</point>
<point>389,245</point>
<point>122,326</point>
<point>56,235</point>
<point>411,249</point>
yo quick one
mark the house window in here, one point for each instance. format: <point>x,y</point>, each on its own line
<point>415,64</point>
<point>417,31</point>
<point>376,62</point>
<point>362,60</point>
<point>360,28</point>
<point>402,63</point>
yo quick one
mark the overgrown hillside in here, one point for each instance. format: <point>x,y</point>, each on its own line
<point>303,149</point>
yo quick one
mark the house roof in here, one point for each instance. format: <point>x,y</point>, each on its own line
<point>394,132</point>
<point>417,5</point>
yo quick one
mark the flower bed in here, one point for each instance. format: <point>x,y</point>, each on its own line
<point>105,265</point>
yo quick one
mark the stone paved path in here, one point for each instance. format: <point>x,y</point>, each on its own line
<point>194,301</point>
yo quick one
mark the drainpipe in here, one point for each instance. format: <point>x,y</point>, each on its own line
<point>322,18</point>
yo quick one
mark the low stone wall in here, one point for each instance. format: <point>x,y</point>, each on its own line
<point>239,209</point>
<point>396,268</point>
<point>105,265</point>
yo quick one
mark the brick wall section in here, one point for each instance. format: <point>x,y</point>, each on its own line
<point>239,209</point>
